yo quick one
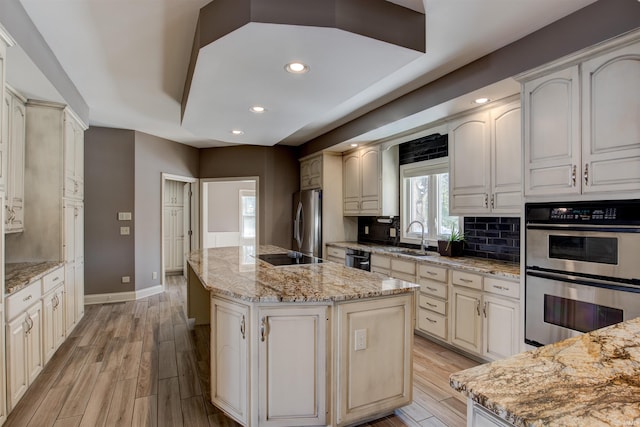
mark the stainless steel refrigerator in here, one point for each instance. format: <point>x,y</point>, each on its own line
<point>307,222</point>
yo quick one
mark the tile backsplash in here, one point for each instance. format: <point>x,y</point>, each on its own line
<point>425,148</point>
<point>493,238</point>
<point>486,237</point>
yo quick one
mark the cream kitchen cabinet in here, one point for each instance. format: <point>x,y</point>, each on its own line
<point>73,156</point>
<point>311,173</point>
<point>336,254</point>
<point>486,315</point>
<point>394,267</point>
<point>433,301</point>
<point>24,341</point>
<point>292,351</point>
<point>53,320</point>
<point>581,135</point>
<point>5,41</point>
<point>230,362</point>
<point>485,161</point>
<point>173,193</point>
<point>371,181</point>
<point>13,128</point>
<point>73,241</point>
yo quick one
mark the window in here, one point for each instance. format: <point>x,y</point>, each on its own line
<point>425,198</point>
<point>248,214</point>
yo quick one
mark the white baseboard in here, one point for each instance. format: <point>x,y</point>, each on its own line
<point>123,296</point>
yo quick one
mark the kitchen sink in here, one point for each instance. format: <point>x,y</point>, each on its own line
<point>408,252</point>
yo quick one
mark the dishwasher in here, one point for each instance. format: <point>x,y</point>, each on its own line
<point>358,259</point>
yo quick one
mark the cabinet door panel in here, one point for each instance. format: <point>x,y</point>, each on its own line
<point>506,159</point>
<point>501,319</point>
<point>35,354</point>
<point>552,133</point>
<point>229,367</point>
<point>611,129</point>
<point>16,361</point>
<point>292,367</point>
<point>15,178</point>
<point>469,154</point>
<point>70,296</point>
<point>466,327</point>
<point>369,162</point>
<point>48,327</point>
<point>351,164</point>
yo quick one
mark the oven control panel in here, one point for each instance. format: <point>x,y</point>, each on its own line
<point>583,214</point>
<point>618,212</point>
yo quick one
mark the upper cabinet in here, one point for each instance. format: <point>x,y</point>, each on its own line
<point>73,156</point>
<point>581,133</point>
<point>485,161</point>
<point>311,173</point>
<point>13,131</point>
<point>370,181</point>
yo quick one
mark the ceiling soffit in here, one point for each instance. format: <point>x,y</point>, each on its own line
<point>348,45</point>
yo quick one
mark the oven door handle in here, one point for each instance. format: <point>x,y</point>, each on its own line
<point>582,281</point>
<point>595,228</point>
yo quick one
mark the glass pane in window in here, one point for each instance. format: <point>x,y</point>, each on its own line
<point>248,205</point>
<point>446,223</point>
<point>248,227</point>
<point>418,202</point>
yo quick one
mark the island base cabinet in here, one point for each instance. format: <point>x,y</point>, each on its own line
<point>480,417</point>
<point>229,362</point>
<point>373,357</point>
<point>292,366</point>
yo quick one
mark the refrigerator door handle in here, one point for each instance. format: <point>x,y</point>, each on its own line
<point>297,221</point>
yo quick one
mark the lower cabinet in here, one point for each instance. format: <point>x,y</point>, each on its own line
<point>336,254</point>
<point>53,321</point>
<point>500,326</point>
<point>466,323</point>
<point>477,416</point>
<point>24,352</point>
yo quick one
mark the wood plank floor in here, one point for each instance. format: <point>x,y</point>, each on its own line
<point>137,364</point>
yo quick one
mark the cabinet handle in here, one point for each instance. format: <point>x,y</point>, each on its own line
<point>430,305</point>
<point>573,175</point>
<point>55,279</point>
<point>492,201</point>
<point>502,288</point>
<point>431,273</point>
<point>466,280</point>
<point>484,310</point>
<point>478,307</point>
<point>486,200</point>
<point>27,298</point>
<point>242,327</point>
<point>431,289</point>
<point>431,320</point>
<point>263,329</point>
<point>586,174</point>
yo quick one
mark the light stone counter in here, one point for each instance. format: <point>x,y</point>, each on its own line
<point>502,269</point>
<point>589,380</point>
<point>18,275</point>
<point>237,273</point>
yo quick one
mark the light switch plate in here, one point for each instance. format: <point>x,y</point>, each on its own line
<point>124,216</point>
<point>360,336</point>
<point>392,232</point>
<point>366,229</point>
<point>124,231</point>
<point>126,279</point>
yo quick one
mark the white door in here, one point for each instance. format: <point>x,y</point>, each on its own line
<point>610,121</point>
<point>466,326</point>
<point>292,366</point>
<point>229,362</point>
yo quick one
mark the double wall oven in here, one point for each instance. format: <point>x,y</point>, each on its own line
<point>582,267</point>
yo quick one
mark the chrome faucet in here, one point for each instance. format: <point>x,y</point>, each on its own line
<point>423,245</point>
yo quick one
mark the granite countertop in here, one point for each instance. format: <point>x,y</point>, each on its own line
<point>237,273</point>
<point>589,380</point>
<point>18,275</point>
<point>503,269</point>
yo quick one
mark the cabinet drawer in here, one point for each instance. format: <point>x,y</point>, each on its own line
<point>23,299</point>
<point>432,323</point>
<point>380,261</point>
<point>336,252</point>
<point>336,260</point>
<point>369,205</point>
<point>433,304</point>
<point>401,266</point>
<point>403,276</point>
<point>432,288</point>
<point>53,279</point>
<point>502,287</point>
<point>433,273</point>
<point>385,272</point>
<point>467,279</point>
<point>351,206</point>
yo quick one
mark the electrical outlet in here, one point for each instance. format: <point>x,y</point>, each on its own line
<point>125,231</point>
<point>392,232</point>
<point>124,216</point>
<point>154,275</point>
<point>126,279</point>
<point>366,229</point>
<point>360,338</point>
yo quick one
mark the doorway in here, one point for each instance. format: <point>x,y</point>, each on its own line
<point>229,212</point>
<point>179,223</point>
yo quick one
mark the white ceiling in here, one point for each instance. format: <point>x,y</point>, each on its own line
<point>128,59</point>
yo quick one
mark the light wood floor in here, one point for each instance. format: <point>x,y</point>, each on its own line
<point>137,364</point>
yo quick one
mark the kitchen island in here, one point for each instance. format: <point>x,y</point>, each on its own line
<point>311,344</point>
<point>589,380</point>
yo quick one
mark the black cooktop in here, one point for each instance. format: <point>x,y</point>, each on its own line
<point>290,258</point>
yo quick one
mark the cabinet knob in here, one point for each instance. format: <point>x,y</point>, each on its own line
<point>586,174</point>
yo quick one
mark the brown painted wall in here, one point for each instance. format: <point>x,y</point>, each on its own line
<point>595,23</point>
<point>154,156</point>
<point>278,170</point>
<point>108,189</point>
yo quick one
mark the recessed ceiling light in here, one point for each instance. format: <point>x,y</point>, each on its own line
<point>296,68</point>
<point>237,132</point>
<point>482,100</point>
<point>257,109</point>
<point>354,145</point>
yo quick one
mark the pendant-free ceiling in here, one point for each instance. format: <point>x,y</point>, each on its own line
<point>345,45</point>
